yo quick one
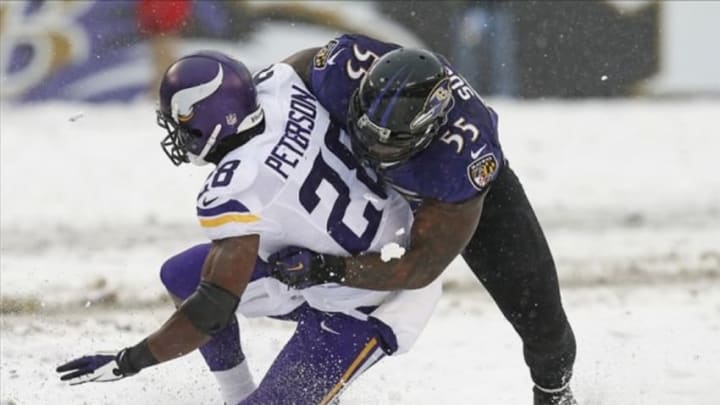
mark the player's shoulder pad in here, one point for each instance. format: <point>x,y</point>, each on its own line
<point>228,194</point>
<point>333,53</point>
<point>274,76</point>
<point>358,46</point>
<point>367,42</point>
<point>321,56</point>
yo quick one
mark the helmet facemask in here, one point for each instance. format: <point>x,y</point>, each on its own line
<point>175,142</point>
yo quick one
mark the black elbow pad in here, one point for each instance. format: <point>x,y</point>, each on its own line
<point>210,308</point>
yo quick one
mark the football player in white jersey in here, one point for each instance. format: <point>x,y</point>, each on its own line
<point>284,176</point>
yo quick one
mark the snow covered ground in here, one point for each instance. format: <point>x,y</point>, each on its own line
<point>628,191</point>
<point>637,345</point>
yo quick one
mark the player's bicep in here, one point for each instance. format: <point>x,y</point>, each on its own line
<point>302,62</point>
<point>231,262</point>
<point>439,234</point>
<point>441,230</point>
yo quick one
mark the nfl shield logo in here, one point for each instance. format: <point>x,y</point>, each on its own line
<point>231,119</point>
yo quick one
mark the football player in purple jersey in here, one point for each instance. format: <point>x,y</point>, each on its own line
<point>430,136</point>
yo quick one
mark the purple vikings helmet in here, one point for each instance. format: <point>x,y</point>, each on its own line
<point>208,105</point>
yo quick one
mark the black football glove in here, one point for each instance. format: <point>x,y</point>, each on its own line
<point>301,268</point>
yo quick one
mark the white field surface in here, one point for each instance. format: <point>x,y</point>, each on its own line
<point>628,192</point>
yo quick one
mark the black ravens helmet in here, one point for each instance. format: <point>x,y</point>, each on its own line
<point>399,107</point>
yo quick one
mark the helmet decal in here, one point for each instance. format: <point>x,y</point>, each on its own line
<point>435,105</point>
<point>376,103</point>
<point>183,101</point>
<point>389,109</point>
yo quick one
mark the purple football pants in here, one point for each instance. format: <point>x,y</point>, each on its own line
<point>326,352</point>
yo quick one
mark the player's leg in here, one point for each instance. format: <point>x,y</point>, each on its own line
<point>324,355</point>
<point>510,256</point>
<point>223,354</point>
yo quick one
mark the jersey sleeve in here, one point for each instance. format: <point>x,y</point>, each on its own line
<point>483,157</point>
<point>458,165</point>
<point>229,204</point>
<point>338,67</point>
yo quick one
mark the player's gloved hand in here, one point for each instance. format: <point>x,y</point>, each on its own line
<point>100,367</point>
<point>561,396</point>
<point>301,268</point>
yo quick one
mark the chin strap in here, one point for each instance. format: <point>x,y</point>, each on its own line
<point>199,160</point>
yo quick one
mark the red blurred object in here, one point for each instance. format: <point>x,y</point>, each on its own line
<point>162,16</point>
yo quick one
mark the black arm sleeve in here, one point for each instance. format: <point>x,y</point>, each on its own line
<point>210,307</point>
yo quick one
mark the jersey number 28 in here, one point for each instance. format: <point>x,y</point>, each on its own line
<point>310,199</point>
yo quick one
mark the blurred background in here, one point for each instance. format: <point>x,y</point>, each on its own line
<point>526,49</point>
<point>608,113</point>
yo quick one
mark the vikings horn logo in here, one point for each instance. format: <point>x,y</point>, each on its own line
<point>182,102</point>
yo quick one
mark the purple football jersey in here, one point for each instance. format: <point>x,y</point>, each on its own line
<point>459,164</point>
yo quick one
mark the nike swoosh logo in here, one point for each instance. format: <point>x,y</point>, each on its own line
<point>299,267</point>
<point>207,202</point>
<point>331,59</point>
<point>327,329</point>
<point>476,154</point>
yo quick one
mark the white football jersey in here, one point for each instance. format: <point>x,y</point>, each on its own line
<point>298,184</point>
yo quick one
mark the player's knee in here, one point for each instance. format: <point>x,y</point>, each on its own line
<point>180,274</point>
<point>168,276</point>
<point>171,277</point>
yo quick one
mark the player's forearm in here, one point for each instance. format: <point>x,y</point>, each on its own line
<point>439,234</point>
<point>175,338</point>
<point>414,270</point>
<point>226,273</point>
<point>301,62</point>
